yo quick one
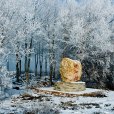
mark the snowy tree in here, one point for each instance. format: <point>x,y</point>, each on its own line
<point>49,21</point>
<point>5,80</point>
<point>91,28</point>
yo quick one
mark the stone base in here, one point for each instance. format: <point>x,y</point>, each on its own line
<point>70,86</point>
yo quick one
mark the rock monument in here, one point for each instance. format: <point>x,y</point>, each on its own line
<point>71,71</point>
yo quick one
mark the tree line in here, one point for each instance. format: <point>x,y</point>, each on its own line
<point>48,29</point>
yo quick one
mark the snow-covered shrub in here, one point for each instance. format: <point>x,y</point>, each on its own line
<point>5,80</point>
<point>41,108</point>
<point>97,72</point>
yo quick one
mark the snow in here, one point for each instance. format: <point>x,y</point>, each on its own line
<point>106,104</point>
<point>65,105</point>
<point>70,112</point>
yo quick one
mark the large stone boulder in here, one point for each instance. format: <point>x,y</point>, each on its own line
<point>70,70</point>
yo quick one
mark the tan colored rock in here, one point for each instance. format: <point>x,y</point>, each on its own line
<point>70,86</point>
<point>70,70</point>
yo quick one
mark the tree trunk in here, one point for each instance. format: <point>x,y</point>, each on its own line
<point>36,65</point>
<point>8,64</point>
<point>17,72</point>
<point>36,61</point>
<point>28,65</point>
<point>40,69</point>
<point>54,70</point>
<point>51,74</point>
<point>20,66</point>
<point>40,59</point>
<point>46,65</point>
<point>54,61</point>
<point>17,67</point>
<point>26,59</point>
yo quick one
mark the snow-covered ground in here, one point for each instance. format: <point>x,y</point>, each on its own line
<point>87,105</point>
<point>48,104</point>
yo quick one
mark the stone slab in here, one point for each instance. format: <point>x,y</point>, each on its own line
<point>70,86</point>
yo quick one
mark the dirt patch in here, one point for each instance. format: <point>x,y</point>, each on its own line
<point>72,106</point>
<point>30,97</point>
